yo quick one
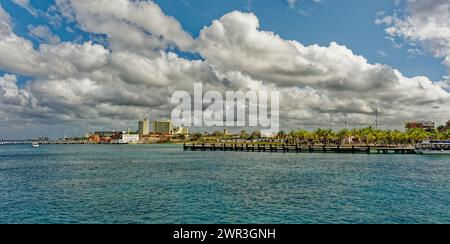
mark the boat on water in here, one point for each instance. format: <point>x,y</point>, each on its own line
<point>35,144</point>
<point>433,148</point>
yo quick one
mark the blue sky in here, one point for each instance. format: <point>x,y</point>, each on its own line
<point>72,66</point>
<point>347,22</point>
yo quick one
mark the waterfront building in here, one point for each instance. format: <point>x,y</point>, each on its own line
<point>425,125</point>
<point>150,139</point>
<point>162,127</point>
<point>129,138</point>
<point>180,131</point>
<point>348,140</point>
<point>111,134</point>
<point>105,136</point>
<point>446,127</point>
<point>143,127</point>
<point>94,138</point>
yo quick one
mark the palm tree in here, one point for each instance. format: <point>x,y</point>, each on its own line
<point>255,135</point>
<point>281,135</point>
<point>324,135</point>
<point>417,135</point>
<point>342,134</point>
<point>304,135</point>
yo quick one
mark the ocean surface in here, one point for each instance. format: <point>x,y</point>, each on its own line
<point>163,184</point>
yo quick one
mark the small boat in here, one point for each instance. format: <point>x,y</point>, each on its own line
<point>433,148</point>
<point>35,144</point>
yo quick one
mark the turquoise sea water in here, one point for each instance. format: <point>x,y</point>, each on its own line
<point>163,184</point>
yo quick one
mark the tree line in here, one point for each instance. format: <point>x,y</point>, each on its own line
<point>368,135</point>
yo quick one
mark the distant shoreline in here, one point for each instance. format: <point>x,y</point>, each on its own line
<point>23,142</point>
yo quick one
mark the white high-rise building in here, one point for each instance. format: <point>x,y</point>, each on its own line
<point>144,127</point>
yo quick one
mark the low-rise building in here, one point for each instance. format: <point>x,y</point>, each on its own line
<point>94,138</point>
<point>180,131</point>
<point>105,136</point>
<point>425,125</point>
<point>446,127</point>
<point>150,139</point>
<point>129,138</point>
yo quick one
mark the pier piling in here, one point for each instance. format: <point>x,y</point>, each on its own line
<point>286,148</point>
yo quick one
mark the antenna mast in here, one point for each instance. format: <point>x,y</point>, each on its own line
<point>376,117</point>
<point>345,120</point>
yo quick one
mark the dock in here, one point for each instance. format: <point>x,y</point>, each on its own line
<point>296,148</point>
<point>49,142</point>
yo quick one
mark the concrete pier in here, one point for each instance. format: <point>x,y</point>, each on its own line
<point>295,148</point>
<point>50,142</point>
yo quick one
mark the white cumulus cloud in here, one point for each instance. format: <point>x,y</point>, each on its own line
<point>43,33</point>
<point>128,23</point>
<point>86,86</point>
<point>424,22</point>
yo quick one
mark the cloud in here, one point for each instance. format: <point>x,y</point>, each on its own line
<point>43,33</point>
<point>304,12</point>
<point>27,6</point>
<point>445,83</point>
<point>382,54</point>
<point>23,59</point>
<point>424,22</point>
<point>235,43</point>
<point>292,3</point>
<point>84,57</point>
<point>127,23</point>
<point>87,86</point>
<point>333,77</point>
<point>10,94</point>
<point>5,22</point>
